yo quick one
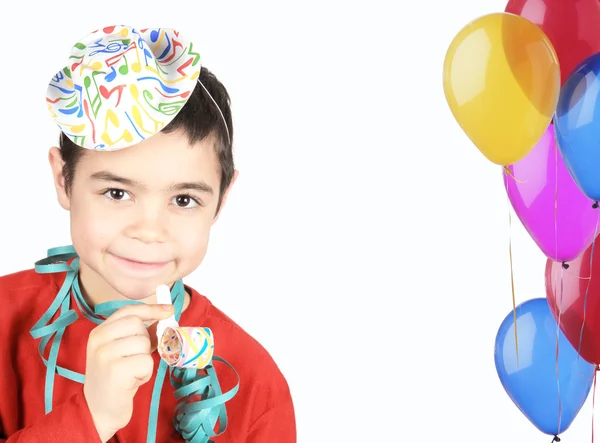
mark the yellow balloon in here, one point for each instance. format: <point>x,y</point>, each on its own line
<point>502,82</point>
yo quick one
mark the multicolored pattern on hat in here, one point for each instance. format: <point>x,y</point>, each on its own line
<point>122,86</point>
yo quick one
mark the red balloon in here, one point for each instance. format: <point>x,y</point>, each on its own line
<point>572,292</point>
<point>571,25</point>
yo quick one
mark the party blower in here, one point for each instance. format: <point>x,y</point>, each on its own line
<point>182,347</point>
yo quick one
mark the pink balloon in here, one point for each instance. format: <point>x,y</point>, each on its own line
<point>563,231</point>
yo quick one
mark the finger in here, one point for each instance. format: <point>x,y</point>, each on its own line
<point>124,347</point>
<point>147,312</point>
<point>140,368</point>
<point>121,328</point>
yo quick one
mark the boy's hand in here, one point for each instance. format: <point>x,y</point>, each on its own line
<point>118,362</point>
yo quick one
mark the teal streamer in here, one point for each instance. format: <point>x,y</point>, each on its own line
<point>194,419</point>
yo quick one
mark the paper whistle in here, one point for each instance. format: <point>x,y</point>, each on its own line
<point>182,346</point>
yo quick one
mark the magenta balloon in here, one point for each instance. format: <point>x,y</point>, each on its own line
<point>562,231</point>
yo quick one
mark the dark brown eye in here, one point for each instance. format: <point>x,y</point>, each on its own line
<point>183,200</point>
<point>117,194</point>
<point>186,201</point>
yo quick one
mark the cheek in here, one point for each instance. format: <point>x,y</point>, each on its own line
<point>91,226</point>
<point>192,240</point>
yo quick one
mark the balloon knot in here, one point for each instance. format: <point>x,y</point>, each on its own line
<point>508,172</point>
<point>565,265</point>
<point>556,438</point>
<point>595,205</point>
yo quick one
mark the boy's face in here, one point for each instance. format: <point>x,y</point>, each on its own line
<point>141,216</point>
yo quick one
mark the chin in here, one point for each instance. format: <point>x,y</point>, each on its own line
<point>136,290</point>
<point>108,277</point>
<point>137,287</point>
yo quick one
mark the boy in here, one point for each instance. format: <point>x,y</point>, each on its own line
<point>142,199</point>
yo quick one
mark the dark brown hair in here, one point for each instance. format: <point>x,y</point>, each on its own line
<point>199,118</point>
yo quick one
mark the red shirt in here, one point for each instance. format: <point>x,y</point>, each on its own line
<point>261,412</point>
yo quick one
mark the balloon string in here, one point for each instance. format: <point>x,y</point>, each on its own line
<point>564,263</point>
<point>556,202</point>
<point>562,268</point>
<point>512,281</point>
<point>556,438</point>
<point>508,172</point>
<point>594,401</point>
<point>557,341</point>
<point>587,289</point>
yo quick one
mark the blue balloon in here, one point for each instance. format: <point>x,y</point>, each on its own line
<point>533,384</point>
<point>577,125</point>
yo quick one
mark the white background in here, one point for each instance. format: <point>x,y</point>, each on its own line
<point>365,243</point>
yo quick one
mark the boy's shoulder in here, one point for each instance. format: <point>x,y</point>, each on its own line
<point>27,284</point>
<point>24,296</point>
<point>23,279</point>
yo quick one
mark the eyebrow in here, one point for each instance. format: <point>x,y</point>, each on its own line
<point>106,176</point>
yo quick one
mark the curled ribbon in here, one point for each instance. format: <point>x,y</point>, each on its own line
<point>200,401</point>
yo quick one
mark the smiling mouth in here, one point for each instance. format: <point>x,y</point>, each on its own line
<point>140,264</point>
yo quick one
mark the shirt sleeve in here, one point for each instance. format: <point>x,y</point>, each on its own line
<point>71,422</point>
<point>277,424</point>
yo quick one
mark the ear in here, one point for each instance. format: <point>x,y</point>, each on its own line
<point>57,164</point>
<point>225,194</point>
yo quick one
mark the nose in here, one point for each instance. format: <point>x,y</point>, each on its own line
<point>148,225</point>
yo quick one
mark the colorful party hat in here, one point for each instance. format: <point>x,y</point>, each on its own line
<point>121,86</point>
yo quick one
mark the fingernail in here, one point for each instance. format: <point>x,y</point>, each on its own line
<point>167,307</point>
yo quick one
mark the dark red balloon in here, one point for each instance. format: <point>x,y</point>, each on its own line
<point>573,27</point>
<point>572,292</point>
